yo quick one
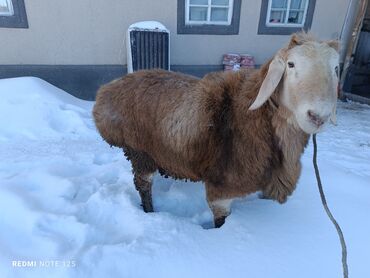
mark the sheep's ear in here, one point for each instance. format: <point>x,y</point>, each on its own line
<point>333,116</point>
<point>271,81</point>
<point>333,44</point>
<point>300,38</point>
<point>295,39</point>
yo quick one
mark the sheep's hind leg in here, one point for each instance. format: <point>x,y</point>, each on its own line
<point>143,168</point>
<point>143,184</point>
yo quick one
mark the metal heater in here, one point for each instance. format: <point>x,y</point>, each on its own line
<point>148,46</point>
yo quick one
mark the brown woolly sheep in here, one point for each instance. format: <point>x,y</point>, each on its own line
<point>238,132</point>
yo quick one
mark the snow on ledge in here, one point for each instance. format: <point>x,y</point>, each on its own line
<point>148,25</point>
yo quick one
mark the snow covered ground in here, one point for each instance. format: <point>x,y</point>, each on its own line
<point>68,207</point>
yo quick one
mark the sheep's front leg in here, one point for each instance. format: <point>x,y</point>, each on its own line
<point>281,187</point>
<point>219,202</point>
<point>143,184</point>
<point>283,182</point>
<point>276,192</point>
<point>220,210</point>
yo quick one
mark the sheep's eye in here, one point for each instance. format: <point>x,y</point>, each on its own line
<point>290,64</point>
<point>337,71</point>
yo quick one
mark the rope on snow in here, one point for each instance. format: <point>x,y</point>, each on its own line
<point>328,212</point>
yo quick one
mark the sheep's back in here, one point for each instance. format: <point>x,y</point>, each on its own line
<point>157,112</point>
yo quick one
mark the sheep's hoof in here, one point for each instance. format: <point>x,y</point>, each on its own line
<point>148,208</point>
<point>219,221</point>
<point>146,201</point>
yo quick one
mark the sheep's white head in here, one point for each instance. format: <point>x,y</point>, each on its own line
<point>307,71</point>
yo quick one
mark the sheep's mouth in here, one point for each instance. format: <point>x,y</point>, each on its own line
<point>310,127</point>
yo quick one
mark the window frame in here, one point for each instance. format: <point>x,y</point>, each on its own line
<point>209,7</point>
<point>19,17</point>
<point>185,26</point>
<point>284,28</point>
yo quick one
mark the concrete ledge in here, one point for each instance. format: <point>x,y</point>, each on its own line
<point>356,98</point>
<point>83,81</point>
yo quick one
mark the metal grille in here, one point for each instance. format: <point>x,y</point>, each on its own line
<point>149,49</point>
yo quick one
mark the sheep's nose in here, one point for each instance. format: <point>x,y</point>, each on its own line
<point>315,118</point>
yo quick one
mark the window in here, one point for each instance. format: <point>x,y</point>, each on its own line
<point>209,12</point>
<point>13,14</point>
<point>283,17</point>
<point>215,17</point>
<point>287,13</point>
<point>6,8</point>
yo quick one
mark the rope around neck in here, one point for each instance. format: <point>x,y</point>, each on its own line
<point>325,205</point>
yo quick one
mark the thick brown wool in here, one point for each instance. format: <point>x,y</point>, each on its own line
<point>202,130</point>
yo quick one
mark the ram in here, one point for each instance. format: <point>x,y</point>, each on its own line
<point>238,132</point>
